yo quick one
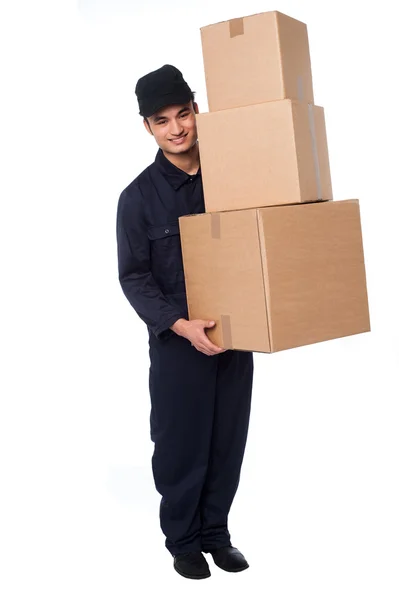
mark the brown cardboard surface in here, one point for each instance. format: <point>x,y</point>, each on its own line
<point>315,272</point>
<point>277,277</point>
<point>256,59</point>
<point>266,154</point>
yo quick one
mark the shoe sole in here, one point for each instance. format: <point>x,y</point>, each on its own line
<point>192,576</point>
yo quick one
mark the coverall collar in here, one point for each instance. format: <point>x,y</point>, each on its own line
<point>175,176</point>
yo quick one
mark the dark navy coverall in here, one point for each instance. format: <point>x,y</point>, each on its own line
<point>200,405</point>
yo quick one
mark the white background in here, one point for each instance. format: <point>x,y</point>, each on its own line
<point>316,513</point>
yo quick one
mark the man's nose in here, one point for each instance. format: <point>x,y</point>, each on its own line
<point>176,127</point>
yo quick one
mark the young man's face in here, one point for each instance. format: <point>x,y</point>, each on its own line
<point>174,127</point>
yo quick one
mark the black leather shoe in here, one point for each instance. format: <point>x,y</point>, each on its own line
<point>192,565</point>
<point>229,559</point>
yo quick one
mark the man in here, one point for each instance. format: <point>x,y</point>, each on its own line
<point>200,394</point>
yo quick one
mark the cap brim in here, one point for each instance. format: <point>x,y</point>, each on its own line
<point>165,100</point>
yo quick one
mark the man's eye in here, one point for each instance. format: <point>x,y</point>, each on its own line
<point>184,115</point>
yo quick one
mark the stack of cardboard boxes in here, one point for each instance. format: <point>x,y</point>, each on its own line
<point>274,260</point>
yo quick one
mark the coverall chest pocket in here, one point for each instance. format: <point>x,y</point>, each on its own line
<point>166,257</point>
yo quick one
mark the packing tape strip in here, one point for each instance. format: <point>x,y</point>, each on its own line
<point>226,332</point>
<point>215,226</point>
<point>236,27</point>
<point>314,150</point>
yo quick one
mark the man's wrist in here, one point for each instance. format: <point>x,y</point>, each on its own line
<point>179,326</point>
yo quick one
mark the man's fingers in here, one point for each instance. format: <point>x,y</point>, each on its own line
<point>205,345</point>
<point>210,351</point>
<point>201,348</point>
<point>206,342</point>
<point>204,350</point>
<point>212,348</point>
<point>208,323</point>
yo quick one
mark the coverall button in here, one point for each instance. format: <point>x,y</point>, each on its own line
<point>166,230</point>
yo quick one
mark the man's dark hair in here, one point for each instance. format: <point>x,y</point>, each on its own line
<point>192,100</point>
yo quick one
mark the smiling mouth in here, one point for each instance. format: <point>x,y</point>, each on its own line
<point>178,139</point>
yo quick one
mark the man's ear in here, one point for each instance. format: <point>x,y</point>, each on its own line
<point>147,126</point>
<point>196,110</point>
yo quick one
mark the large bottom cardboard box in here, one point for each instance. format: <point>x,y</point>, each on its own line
<point>262,155</point>
<point>277,277</point>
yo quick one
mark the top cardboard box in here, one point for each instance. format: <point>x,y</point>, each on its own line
<point>255,59</point>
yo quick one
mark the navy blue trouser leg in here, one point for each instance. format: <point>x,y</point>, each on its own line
<point>199,420</point>
<point>229,436</point>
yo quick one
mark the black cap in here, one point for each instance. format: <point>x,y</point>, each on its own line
<point>160,88</point>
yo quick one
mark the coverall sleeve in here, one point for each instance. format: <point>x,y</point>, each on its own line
<point>134,267</point>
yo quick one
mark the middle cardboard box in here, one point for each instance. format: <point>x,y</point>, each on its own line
<point>264,154</point>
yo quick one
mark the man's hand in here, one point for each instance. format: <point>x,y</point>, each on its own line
<point>194,331</point>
